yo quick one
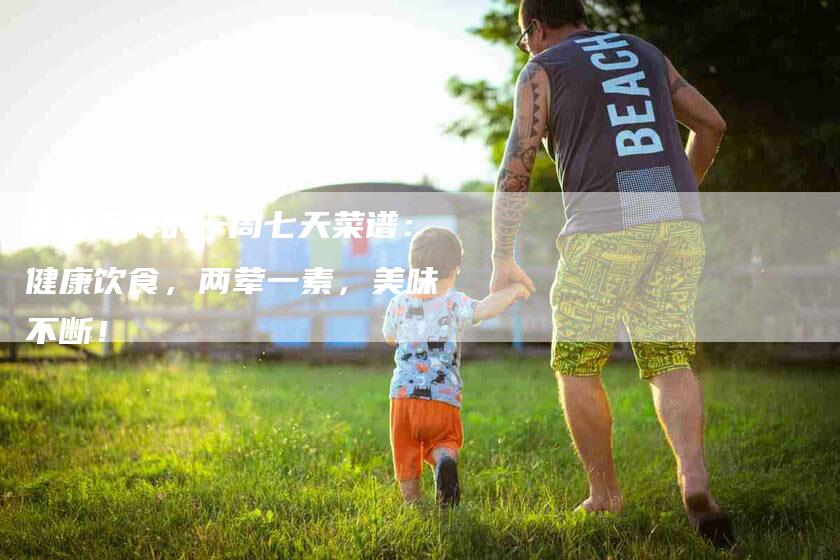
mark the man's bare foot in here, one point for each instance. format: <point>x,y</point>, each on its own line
<point>608,505</point>
<point>706,517</point>
<point>704,514</point>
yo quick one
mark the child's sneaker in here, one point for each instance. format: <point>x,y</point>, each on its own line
<point>446,482</point>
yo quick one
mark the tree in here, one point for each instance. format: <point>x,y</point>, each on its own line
<point>37,257</point>
<point>168,256</point>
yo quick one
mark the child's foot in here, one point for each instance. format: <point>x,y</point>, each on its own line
<point>446,482</point>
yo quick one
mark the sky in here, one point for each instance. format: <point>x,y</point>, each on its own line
<point>117,116</point>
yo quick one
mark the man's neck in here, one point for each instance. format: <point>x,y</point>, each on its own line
<point>557,36</point>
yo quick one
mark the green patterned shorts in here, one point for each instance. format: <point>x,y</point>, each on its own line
<point>647,276</point>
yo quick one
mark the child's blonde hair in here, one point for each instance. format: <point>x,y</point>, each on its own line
<point>438,248</point>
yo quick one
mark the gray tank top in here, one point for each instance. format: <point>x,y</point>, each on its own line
<point>613,134</point>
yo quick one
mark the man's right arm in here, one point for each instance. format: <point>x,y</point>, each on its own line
<point>706,125</point>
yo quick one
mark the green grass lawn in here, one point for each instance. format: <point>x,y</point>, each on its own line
<point>190,460</point>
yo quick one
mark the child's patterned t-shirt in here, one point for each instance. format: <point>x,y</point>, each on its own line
<point>428,334</point>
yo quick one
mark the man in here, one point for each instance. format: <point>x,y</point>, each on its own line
<point>632,248</point>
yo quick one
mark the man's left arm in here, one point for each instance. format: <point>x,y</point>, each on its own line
<point>530,120</point>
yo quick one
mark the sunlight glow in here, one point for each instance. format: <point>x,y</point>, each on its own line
<point>119,117</point>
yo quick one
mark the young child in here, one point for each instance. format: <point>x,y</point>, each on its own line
<point>426,385</point>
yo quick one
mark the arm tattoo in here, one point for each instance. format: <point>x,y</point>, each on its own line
<point>678,84</point>
<point>529,124</point>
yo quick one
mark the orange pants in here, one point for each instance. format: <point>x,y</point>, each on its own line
<point>418,427</point>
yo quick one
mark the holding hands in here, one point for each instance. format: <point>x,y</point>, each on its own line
<point>496,303</point>
<point>507,272</point>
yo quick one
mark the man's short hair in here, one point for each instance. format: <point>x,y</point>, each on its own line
<point>438,248</point>
<point>552,13</point>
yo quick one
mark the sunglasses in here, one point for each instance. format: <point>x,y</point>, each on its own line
<point>522,43</point>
